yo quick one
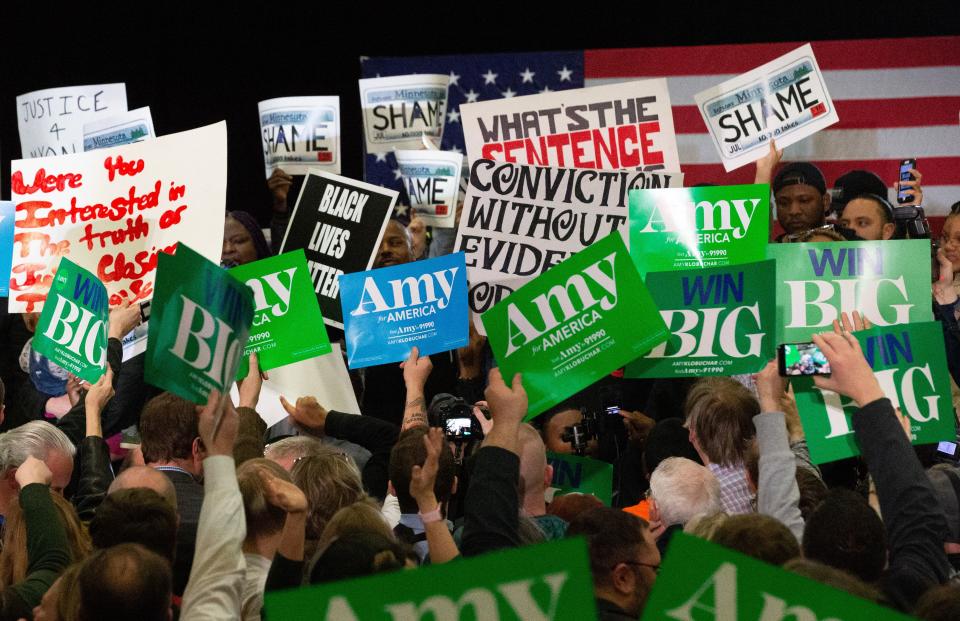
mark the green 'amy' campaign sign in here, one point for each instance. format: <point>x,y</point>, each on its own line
<point>887,281</point>
<point>910,363</point>
<point>687,228</point>
<point>199,321</point>
<point>572,473</point>
<point>287,324</point>
<point>721,321</point>
<point>72,331</point>
<point>574,324</point>
<point>702,580</point>
<point>546,581</point>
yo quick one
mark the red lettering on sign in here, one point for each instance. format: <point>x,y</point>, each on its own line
<point>46,248</point>
<point>44,183</point>
<point>649,157</point>
<point>171,217</point>
<point>122,168</point>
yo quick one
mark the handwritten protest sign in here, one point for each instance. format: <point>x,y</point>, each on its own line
<point>114,210</point>
<point>432,182</point>
<point>911,366</point>
<point>623,125</point>
<point>785,99</point>
<point>574,324</point>
<point>398,111</point>
<point>200,320</point>
<point>51,121</point>
<point>703,580</point>
<point>287,324</point>
<point>546,581</point>
<point>519,221</point>
<point>390,310</point>
<point>323,377</point>
<point>6,242</point>
<point>339,223</point>
<point>572,473</point>
<point>887,281</point>
<point>118,129</point>
<point>721,321</point>
<point>72,331</point>
<point>678,229</point>
<point>300,133</point>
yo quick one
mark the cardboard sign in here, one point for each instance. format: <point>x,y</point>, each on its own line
<point>323,377</point>
<point>545,581</point>
<point>721,321</point>
<point>388,311</point>
<point>432,182</point>
<point>300,134</point>
<point>911,366</point>
<point>572,473</point>
<point>623,125</point>
<point>51,121</point>
<point>72,331</point>
<point>400,110</point>
<point>339,223</point>
<point>519,221</point>
<point>114,210</point>
<point>680,229</point>
<point>287,324</point>
<point>785,100</point>
<point>703,580</point>
<point>118,129</point>
<point>6,242</point>
<point>887,281</point>
<point>574,324</point>
<point>199,322</point>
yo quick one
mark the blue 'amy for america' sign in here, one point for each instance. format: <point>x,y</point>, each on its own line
<point>388,311</point>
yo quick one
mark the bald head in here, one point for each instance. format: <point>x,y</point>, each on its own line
<point>535,474</point>
<point>145,477</point>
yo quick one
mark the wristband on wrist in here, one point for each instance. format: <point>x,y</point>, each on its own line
<point>431,516</point>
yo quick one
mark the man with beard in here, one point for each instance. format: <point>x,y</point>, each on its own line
<point>802,201</point>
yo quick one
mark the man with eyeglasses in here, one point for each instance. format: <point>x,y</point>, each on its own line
<point>624,560</point>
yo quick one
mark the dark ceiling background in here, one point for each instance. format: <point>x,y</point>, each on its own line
<point>194,67</point>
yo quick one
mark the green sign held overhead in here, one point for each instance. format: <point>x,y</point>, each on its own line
<point>287,324</point>
<point>721,321</point>
<point>688,228</point>
<point>702,581</point>
<point>199,322</point>
<point>546,581</point>
<point>911,366</point>
<point>72,331</point>
<point>573,324</point>
<point>887,281</point>
<point>572,473</point>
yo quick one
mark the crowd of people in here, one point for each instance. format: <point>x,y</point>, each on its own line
<point>200,521</point>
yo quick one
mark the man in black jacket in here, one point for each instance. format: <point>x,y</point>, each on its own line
<point>912,515</point>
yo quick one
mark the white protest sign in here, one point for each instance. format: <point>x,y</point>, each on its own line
<point>113,210</point>
<point>324,377</point>
<point>432,182</point>
<point>118,129</point>
<point>399,110</point>
<point>624,125</point>
<point>519,221</point>
<point>785,99</point>
<point>51,121</point>
<point>300,133</point>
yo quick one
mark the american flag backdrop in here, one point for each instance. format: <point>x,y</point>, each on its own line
<point>896,98</point>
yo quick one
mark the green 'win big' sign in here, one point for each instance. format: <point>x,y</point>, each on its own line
<point>703,581</point>
<point>721,321</point>
<point>887,281</point>
<point>575,323</point>
<point>72,331</point>
<point>200,319</point>
<point>546,581</point>
<point>910,363</point>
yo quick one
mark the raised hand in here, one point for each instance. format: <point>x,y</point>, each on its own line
<point>307,414</point>
<point>850,374</point>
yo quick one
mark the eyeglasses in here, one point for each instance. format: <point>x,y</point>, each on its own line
<point>655,568</point>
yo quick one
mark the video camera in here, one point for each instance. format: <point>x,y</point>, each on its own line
<point>594,423</point>
<point>456,418</point>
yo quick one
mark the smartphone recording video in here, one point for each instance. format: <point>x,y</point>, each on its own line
<point>798,359</point>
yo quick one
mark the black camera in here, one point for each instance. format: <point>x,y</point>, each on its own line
<point>911,223</point>
<point>456,418</point>
<point>593,424</point>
